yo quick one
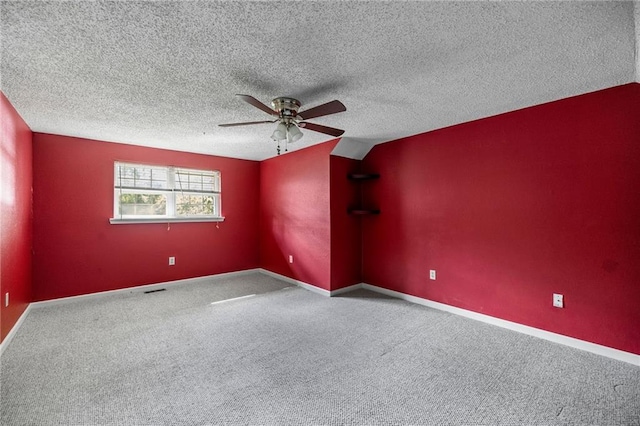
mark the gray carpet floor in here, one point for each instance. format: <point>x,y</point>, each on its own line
<point>287,356</point>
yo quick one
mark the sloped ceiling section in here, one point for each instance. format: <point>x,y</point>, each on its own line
<point>164,74</point>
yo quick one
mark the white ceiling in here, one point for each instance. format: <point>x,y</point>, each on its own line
<point>164,74</point>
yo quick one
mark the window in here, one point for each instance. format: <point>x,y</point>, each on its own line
<point>144,193</point>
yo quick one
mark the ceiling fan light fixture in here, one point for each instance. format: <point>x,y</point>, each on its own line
<point>293,133</point>
<point>280,133</point>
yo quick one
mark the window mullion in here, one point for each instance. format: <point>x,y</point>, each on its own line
<point>171,195</point>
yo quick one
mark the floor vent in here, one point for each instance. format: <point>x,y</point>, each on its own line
<point>154,291</point>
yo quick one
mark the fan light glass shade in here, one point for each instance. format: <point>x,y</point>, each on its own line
<point>280,133</point>
<point>294,133</point>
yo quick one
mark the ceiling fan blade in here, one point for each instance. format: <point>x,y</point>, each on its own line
<point>322,129</point>
<point>246,123</point>
<point>256,103</point>
<point>324,109</point>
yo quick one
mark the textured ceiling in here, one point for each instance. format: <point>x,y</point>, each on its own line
<point>164,74</point>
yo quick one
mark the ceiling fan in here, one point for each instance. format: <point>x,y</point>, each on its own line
<point>285,111</point>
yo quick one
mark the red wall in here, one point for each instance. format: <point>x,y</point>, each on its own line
<point>16,235</point>
<point>513,208</point>
<point>295,215</point>
<point>346,244</point>
<point>77,251</point>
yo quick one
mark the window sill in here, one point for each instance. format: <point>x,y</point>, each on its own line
<point>116,221</point>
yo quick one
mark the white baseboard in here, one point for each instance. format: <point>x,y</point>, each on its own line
<point>606,351</point>
<point>143,288</point>
<point>302,284</point>
<point>345,289</point>
<point>311,287</point>
<point>14,330</point>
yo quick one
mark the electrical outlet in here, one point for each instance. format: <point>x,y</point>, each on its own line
<point>432,274</point>
<point>6,299</point>
<point>172,260</point>
<point>290,258</point>
<point>558,300</point>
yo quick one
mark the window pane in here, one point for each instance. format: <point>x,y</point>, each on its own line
<point>196,180</point>
<point>140,176</point>
<point>143,204</point>
<point>188,205</point>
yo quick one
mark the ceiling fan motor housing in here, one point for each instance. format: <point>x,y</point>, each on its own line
<point>287,108</point>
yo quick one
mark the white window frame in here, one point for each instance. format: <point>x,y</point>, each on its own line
<point>170,193</point>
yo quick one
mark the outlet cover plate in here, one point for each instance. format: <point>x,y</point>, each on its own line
<point>172,260</point>
<point>432,274</point>
<point>558,300</point>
